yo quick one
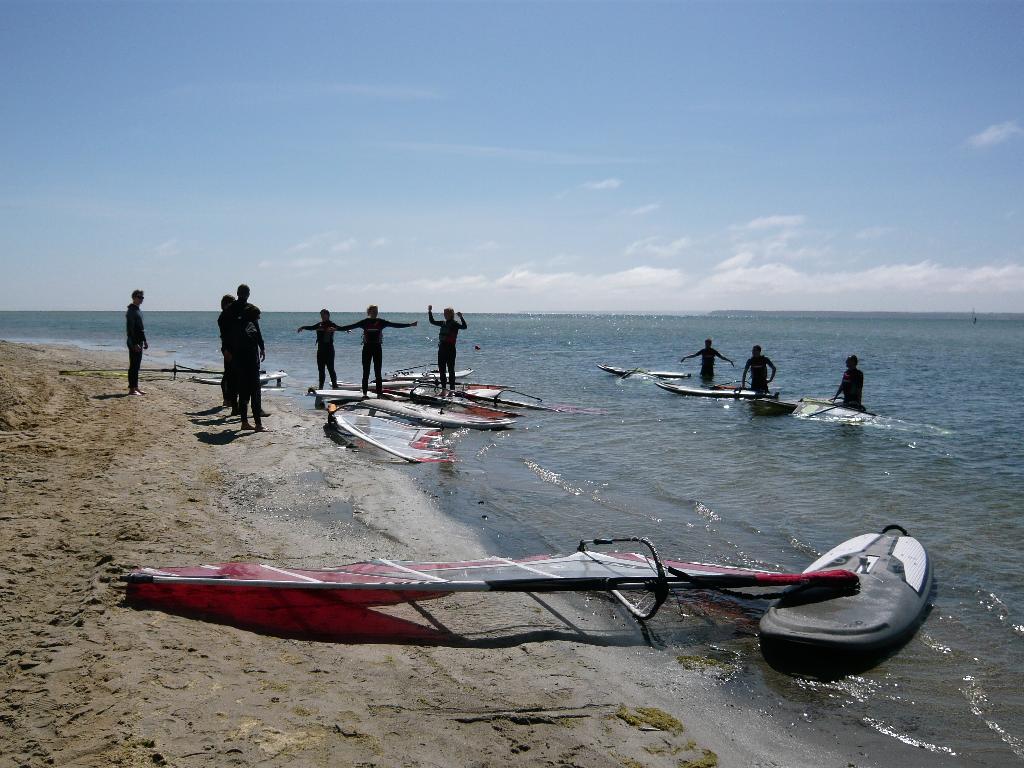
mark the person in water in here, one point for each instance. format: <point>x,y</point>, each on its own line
<point>248,354</point>
<point>758,366</point>
<point>446,343</point>
<point>136,333</point>
<point>852,385</point>
<point>707,359</point>
<point>324,346</point>
<point>227,380</point>
<point>373,332</point>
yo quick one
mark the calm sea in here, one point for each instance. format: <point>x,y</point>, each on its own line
<point>714,481</point>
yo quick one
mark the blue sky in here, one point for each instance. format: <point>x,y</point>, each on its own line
<point>562,156</point>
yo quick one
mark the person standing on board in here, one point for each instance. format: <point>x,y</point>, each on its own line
<point>324,346</point>
<point>707,359</point>
<point>373,332</point>
<point>758,366</point>
<point>249,353</point>
<point>852,385</point>
<point>136,334</point>
<point>446,343</point>
<point>227,381</point>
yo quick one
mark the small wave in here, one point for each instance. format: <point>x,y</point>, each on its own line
<point>552,477</point>
<point>706,512</point>
<point>978,702</point>
<point>887,730</point>
<point>991,602</point>
<point>856,688</point>
<point>934,644</point>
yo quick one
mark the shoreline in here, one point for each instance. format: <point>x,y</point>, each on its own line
<point>95,483</point>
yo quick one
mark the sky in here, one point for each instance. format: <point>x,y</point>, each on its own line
<point>513,156</point>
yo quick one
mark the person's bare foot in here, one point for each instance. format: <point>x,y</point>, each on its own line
<point>135,392</point>
<point>248,426</point>
<point>260,428</point>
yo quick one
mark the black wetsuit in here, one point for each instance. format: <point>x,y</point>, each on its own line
<point>373,332</point>
<point>853,387</point>
<point>227,382</point>
<point>759,372</point>
<point>446,339</point>
<point>136,337</point>
<point>248,348</point>
<point>707,361</point>
<point>325,349</point>
<point>233,330</point>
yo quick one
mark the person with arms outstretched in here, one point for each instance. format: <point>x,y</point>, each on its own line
<point>373,351</point>
<point>758,366</point>
<point>446,343</point>
<point>852,385</point>
<point>324,346</point>
<point>136,334</point>
<point>707,359</point>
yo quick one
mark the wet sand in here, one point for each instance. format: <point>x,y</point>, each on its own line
<point>94,483</point>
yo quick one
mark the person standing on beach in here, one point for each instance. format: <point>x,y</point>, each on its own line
<point>373,332</point>
<point>758,366</point>
<point>446,343</point>
<point>324,346</point>
<point>852,385</point>
<point>227,381</point>
<point>249,353</point>
<point>707,359</point>
<point>136,334</point>
<point>235,326</point>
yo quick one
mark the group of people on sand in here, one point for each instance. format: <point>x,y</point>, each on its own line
<point>243,349</point>
<point>241,343</point>
<point>851,387</point>
<point>373,327</point>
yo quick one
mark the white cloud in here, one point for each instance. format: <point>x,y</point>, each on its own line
<point>995,134</point>
<point>741,259</point>
<point>330,242</point>
<point>873,233</point>
<point>658,246</point>
<point>642,210</point>
<point>924,285</point>
<point>775,222</point>
<point>168,249</point>
<point>307,263</point>
<point>380,242</point>
<point>737,282</point>
<point>777,239</point>
<point>602,185</point>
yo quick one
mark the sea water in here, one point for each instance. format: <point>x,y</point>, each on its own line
<point>715,481</point>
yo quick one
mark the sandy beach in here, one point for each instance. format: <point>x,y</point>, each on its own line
<point>95,483</point>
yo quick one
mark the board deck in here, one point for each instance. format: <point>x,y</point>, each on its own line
<point>721,393</point>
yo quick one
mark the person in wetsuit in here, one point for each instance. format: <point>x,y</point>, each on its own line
<point>758,366</point>
<point>373,332</point>
<point>324,346</point>
<point>248,354</point>
<point>136,337</point>
<point>852,385</point>
<point>446,343</point>
<point>707,359</point>
<point>227,380</point>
